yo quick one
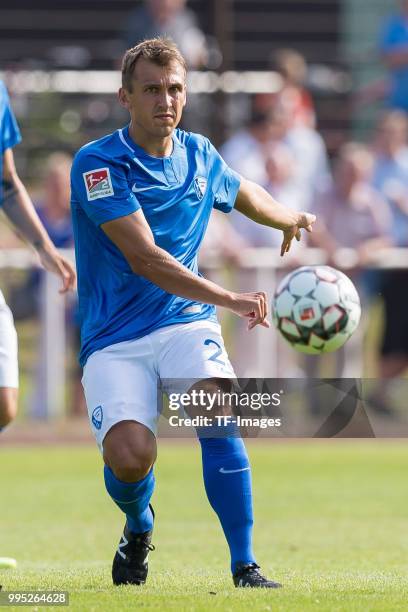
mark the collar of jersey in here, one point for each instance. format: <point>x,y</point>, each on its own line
<point>141,152</point>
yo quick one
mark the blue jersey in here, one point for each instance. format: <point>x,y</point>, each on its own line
<point>114,177</point>
<point>394,37</point>
<point>9,132</point>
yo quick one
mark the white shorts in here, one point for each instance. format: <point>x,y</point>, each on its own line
<point>8,347</point>
<point>121,381</point>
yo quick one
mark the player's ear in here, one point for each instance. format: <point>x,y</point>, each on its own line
<point>185,95</point>
<point>123,97</point>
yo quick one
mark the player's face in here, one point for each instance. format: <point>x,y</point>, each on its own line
<point>157,98</point>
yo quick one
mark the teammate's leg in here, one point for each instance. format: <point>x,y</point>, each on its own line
<point>8,366</point>
<point>8,405</point>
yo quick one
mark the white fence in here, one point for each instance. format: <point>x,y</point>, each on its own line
<point>262,264</point>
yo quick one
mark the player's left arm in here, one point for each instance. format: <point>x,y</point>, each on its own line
<point>19,208</point>
<point>257,204</point>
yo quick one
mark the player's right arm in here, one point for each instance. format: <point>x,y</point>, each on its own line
<point>134,238</point>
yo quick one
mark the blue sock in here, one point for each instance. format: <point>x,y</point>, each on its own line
<point>227,479</point>
<point>133,499</point>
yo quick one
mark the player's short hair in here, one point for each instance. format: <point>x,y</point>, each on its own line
<point>160,51</point>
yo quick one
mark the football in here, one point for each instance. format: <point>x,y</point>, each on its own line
<point>316,309</point>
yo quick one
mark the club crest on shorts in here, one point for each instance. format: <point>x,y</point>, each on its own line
<point>200,186</point>
<point>98,184</point>
<point>97,417</point>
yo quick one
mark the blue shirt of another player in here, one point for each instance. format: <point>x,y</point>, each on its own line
<point>113,177</point>
<point>394,37</point>
<point>9,132</point>
<point>390,176</point>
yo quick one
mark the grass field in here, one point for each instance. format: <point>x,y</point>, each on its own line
<point>331,525</point>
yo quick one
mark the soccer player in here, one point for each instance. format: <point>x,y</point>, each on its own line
<point>141,200</point>
<point>18,207</point>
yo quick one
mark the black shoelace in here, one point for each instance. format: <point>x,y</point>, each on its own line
<point>136,544</point>
<point>141,542</point>
<point>253,569</point>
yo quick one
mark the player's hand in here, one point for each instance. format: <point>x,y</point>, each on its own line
<point>52,261</point>
<point>253,306</point>
<point>304,221</point>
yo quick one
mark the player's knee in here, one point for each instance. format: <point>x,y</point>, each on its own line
<point>131,467</point>
<point>129,449</point>
<point>8,405</point>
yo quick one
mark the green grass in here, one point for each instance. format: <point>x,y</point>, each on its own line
<point>331,525</point>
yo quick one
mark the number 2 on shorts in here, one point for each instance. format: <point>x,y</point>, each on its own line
<point>217,353</point>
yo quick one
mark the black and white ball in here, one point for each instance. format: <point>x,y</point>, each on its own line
<point>316,309</point>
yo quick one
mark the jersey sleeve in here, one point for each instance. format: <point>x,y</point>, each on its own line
<point>101,188</point>
<point>10,134</point>
<point>224,182</point>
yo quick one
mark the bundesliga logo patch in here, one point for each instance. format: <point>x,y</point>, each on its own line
<point>200,185</point>
<point>98,183</point>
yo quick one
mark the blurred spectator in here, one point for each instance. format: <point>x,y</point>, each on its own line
<point>292,68</point>
<point>391,170</point>
<point>309,149</point>
<point>168,18</point>
<point>54,206</point>
<point>54,211</point>
<point>394,51</point>
<point>245,150</point>
<point>391,179</point>
<point>281,182</point>
<point>351,214</point>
